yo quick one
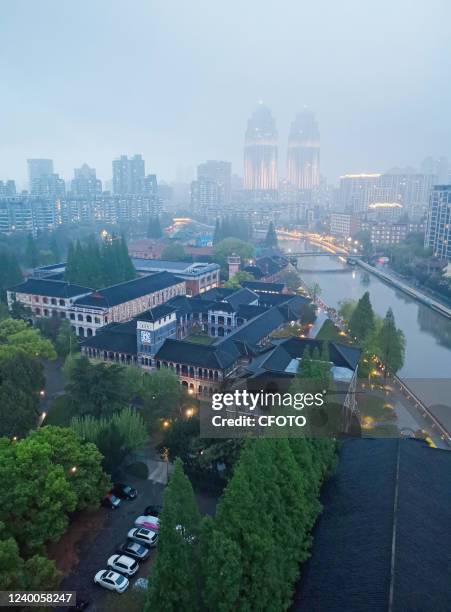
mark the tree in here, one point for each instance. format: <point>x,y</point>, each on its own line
<point>162,395</point>
<point>10,273</point>
<point>238,279</point>
<point>16,335</point>
<point>362,320</point>
<point>232,246</point>
<point>391,345</point>
<point>22,379</point>
<point>128,422</point>
<point>173,584</point>
<point>35,497</point>
<point>346,308</point>
<point>88,481</point>
<point>271,236</point>
<point>174,252</point>
<point>36,573</point>
<point>180,438</point>
<point>314,290</point>
<point>31,253</point>
<point>66,341</point>
<point>154,228</point>
<point>96,389</point>
<point>54,249</point>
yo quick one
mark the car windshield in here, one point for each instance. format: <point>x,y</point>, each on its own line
<point>120,579</point>
<point>127,489</point>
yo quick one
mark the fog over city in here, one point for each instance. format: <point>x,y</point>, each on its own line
<point>176,81</point>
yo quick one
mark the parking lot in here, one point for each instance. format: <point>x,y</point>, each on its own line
<point>94,549</point>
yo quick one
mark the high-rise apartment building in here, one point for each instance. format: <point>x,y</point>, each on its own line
<point>37,168</point>
<point>128,175</point>
<point>48,185</point>
<point>85,182</point>
<point>7,188</point>
<point>411,190</point>
<point>206,197</point>
<point>260,155</point>
<point>303,152</point>
<point>357,191</point>
<point>438,228</point>
<point>221,173</point>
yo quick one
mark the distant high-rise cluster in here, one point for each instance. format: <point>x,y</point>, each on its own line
<point>303,152</point>
<point>213,187</point>
<point>260,154</point>
<point>438,229</point>
<point>261,157</point>
<point>128,174</point>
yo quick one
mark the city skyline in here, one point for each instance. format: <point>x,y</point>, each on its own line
<point>377,96</point>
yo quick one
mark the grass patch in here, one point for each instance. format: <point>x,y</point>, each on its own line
<point>60,412</point>
<point>200,339</point>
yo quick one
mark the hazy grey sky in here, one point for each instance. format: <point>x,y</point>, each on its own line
<point>175,80</point>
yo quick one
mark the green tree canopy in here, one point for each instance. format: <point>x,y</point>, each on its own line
<point>174,252</point>
<point>154,228</point>
<point>96,389</point>
<point>391,344</point>
<point>173,585</point>
<point>232,246</point>
<point>17,335</point>
<point>31,252</point>
<point>237,279</point>
<point>271,236</point>
<point>362,319</point>
<point>162,394</point>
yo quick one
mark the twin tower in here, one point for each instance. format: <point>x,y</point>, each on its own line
<point>260,153</point>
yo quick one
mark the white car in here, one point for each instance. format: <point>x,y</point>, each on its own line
<point>143,536</point>
<point>123,564</point>
<point>148,521</point>
<point>111,581</point>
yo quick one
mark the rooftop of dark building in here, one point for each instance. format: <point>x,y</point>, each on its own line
<point>50,288</point>
<point>130,290</point>
<point>382,541</point>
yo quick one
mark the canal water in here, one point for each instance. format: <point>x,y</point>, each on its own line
<point>427,333</point>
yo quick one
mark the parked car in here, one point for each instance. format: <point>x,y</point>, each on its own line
<point>143,536</point>
<point>124,491</point>
<point>149,522</point>
<point>111,581</point>
<point>134,550</point>
<point>153,510</point>
<point>111,501</point>
<point>123,564</point>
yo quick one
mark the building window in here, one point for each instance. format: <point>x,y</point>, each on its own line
<point>54,301</point>
<point>88,319</point>
<point>72,316</point>
<point>62,303</point>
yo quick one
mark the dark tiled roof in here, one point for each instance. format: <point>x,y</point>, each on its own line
<point>124,292</point>
<point>294,347</point>
<point>249,311</point>
<point>349,569</point>
<point>155,314</point>
<point>256,329</point>
<point>50,288</point>
<point>220,306</point>
<point>118,337</point>
<point>264,287</point>
<point>202,355</point>
<point>217,293</point>
<point>242,296</point>
<point>255,271</point>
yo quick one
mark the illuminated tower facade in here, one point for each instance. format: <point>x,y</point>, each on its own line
<point>303,152</point>
<point>260,155</point>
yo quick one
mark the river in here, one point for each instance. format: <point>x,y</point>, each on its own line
<point>427,333</point>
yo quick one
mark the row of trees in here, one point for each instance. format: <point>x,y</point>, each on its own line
<point>232,227</point>
<point>378,337</point>
<point>232,246</point>
<point>10,273</point>
<point>99,265</point>
<point>154,229</point>
<point>248,557</point>
<point>21,376</point>
<point>45,477</point>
